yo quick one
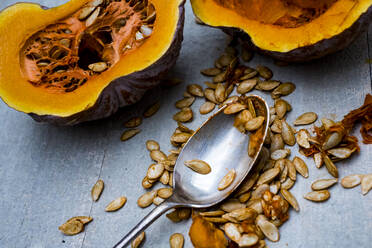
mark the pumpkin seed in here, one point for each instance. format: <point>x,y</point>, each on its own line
<point>318,196</point>
<point>241,214</point>
<point>93,17</point>
<point>318,159</point>
<point>155,171</point>
<point>225,59</point>
<point>302,138</point>
<point>82,219</point>
<point>139,36</point>
<point>138,240</point>
<point>151,110</point>
<point>209,95</point>
<point>246,55</point>
<point>231,205</point>
<point>165,192</point>
<point>351,181</point>
<point>229,89</point>
<point>185,102</point>
<point>341,152</point>
<point>220,92</point>
<point>280,108</point>
<point>247,240</point>
<point>211,72</point>
<point>280,154</point>
<point>301,167</point>
<point>227,180</point>
<point>268,85</point>
<point>65,42</point>
<point>292,173</point>
<point>96,3</point>
<point>323,184</point>
<point>244,197</point>
<point>247,184</point>
<point>254,123</point>
<point>275,187</point>
<point>146,199</point>
<point>232,231</point>
<point>207,107</point>
<point>170,183</point>
<point>98,67</point>
<point>158,200</point>
<point>152,145</point>
<point>158,156</point>
<point>195,90</point>
<point>146,30</point>
<point>306,119</point>
<point>180,137</point>
<point>133,122</point>
<point>287,134</point>
<point>366,183</point>
<point>164,179</point>
<point>176,240</point>
<point>283,89</point>
<point>234,108</point>
<point>198,166</point>
<point>276,142</point>
<point>276,126</point>
<point>264,72</point>
<point>287,184</point>
<point>72,227</point>
<point>216,220</point>
<point>268,176</point>
<point>249,74</point>
<point>256,205</point>
<point>146,183</point>
<point>184,115</point>
<point>219,78</point>
<point>86,11</point>
<point>212,213</point>
<point>270,231</point>
<point>259,191</point>
<point>241,118</point>
<point>246,86</point>
<point>327,123</point>
<point>97,190</point>
<point>116,204</point>
<point>331,167</point>
<point>332,140</point>
<point>290,199</point>
<point>127,134</point>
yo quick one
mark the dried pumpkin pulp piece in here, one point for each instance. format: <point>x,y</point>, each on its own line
<point>316,27</point>
<point>67,55</point>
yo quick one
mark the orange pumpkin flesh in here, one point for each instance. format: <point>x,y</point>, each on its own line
<point>57,84</point>
<point>292,30</point>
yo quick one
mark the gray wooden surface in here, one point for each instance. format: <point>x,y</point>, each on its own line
<point>46,172</point>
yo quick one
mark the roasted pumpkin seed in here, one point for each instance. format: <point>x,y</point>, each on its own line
<point>82,219</point>
<point>158,156</point>
<point>195,90</point>
<point>93,17</point>
<point>246,86</point>
<point>341,152</point>
<point>301,167</point>
<point>231,230</point>
<point>318,196</point>
<point>283,89</point>
<point>227,180</point>
<point>185,115</point>
<point>270,231</point>
<point>127,134</point>
<point>267,85</point>
<point>72,227</point>
<point>155,171</point>
<point>220,92</point>
<point>209,95</point>
<point>332,140</point>
<point>98,67</point>
<point>302,138</point>
<point>351,181</point>
<point>165,192</point>
<point>234,108</point>
<point>318,159</point>
<point>323,184</point>
<point>206,107</point>
<point>331,167</point>
<point>268,176</point>
<point>264,72</point>
<point>287,134</point>
<point>133,122</point>
<point>138,240</point>
<point>211,72</point>
<point>290,199</point>
<point>97,190</point>
<point>280,108</point>
<point>366,183</point>
<point>185,102</point>
<point>152,145</point>
<point>198,166</point>
<point>248,240</point>
<point>116,204</point>
<point>146,199</point>
<point>306,119</point>
<point>176,240</point>
<point>254,123</point>
<point>151,110</point>
<point>280,154</point>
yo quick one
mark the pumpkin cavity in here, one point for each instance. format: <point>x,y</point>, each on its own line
<point>285,13</point>
<point>64,55</point>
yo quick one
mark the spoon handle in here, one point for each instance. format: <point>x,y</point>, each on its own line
<point>145,222</point>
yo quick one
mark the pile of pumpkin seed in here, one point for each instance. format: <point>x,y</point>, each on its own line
<point>257,209</point>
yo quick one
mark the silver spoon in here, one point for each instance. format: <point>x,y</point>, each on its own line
<point>223,147</point>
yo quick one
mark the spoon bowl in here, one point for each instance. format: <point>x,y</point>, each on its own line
<point>224,148</point>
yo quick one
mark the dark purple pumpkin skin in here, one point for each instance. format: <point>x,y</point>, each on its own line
<point>311,52</point>
<point>128,89</point>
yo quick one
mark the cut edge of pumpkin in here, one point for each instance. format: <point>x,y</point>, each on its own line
<point>339,17</point>
<point>19,94</point>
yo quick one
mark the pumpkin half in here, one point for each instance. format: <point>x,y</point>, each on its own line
<point>83,60</point>
<point>289,30</point>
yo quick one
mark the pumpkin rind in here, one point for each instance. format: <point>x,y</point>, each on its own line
<point>123,90</point>
<point>302,52</point>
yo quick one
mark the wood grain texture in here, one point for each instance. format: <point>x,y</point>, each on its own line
<point>47,172</point>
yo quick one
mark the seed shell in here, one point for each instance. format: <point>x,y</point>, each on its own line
<point>82,219</point>
<point>146,199</point>
<point>185,115</point>
<point>331,167</point>
<point>206,107</point>
<point>152,145</point>
<point>287,134</point>
<point>195,90</point>
<point>185,102</point>
<point>302,138</point>
<point>155,171</point>
<point>116,204</point>
<point>232,231</point>
<point>234,108</point>
<point>246,86</point>
<point>269,229</point>
<point>176,240</point>
<point>72,227</point>
<point>264,72</point>
<point>165,192</point>
<point>301,167</point>
<point>290,199</point>
<point>151,110</point>
<point>254,123</point>
<point>366,183</point>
